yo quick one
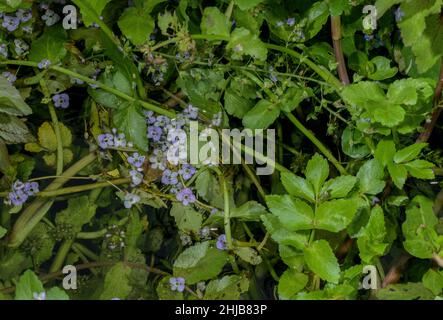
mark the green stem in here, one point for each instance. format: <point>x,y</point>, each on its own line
<point>227,214</point>
<point>100,85</point>
<point>56,124</point>
<point>100,233</point>
<point>316,142</point>
<point>32,215</point>
<point>60,258</point>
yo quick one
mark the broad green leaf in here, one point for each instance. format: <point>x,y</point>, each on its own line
<point>130,120</point>
<point>291,282</point>
<point>336,7</point>
<point>137,25</point>
<point>364,94</point>
<point>187,219</point>
<point>78,213</point>
<point>227,288</point>
<point>392,118</point>
<point>249,211</point>
<point>385,152</point>
<point>371,238</point>
<point>420,169</point>
<point>243,42</point>
<point>27,285</point>
<point>13,130</point>
<point>383,69</point>
<point>339,187</point>
<point>56,294</point>
<point>297,186</point>
<point>404,291</point>
<point>249,255</point>
<point>294,214</point>
<point>262,115</point>
<point>371,177</point>
<point>116,80</point>
<point>317,171</point>
<point>409,153</point>
<point>200,262</point>
<point>336,215</point>
<point>236,104</point>
<point>398,174</point>
<point>353,144</point>
<point>51,45</point>
<point>403,91</point>
<point>91,9</point>
<point>316,17</point>
<point>47,137</point>
<point>433,280</point>
<point>40,237</point>
<point>322,261</point>
<point>11,102</point>
<point>215,22</point>
<point>208,187</point>
<point>3,232</point>
<point>282,235</point>
<point>117,282</point>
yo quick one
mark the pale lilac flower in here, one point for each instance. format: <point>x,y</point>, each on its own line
<point>27,29</point>
<point>368,37</point>
<point>279,24</point>
<point>155,133</point>
<point>130,200</point>
<point>61,100</point>
<point>217,119</point>
<point>157,160</point>
<point>10,23</point>
<point>187,171</point>
<point>191,112</point>
<point>120,140</point>
<point>177,284</point>
<point>24,15</point>
<point>17,198</point>
<point>50,17</point>
<point>162,121</point>
<point>186,196</point>
<point>169,177</point>
<point>150,117</point>
<point>31,188</point>
<point>39,296</point>
<point>399,14</point>
<point>21,47</point>
<point>106,140</point>
<point>221,242</point>
<point>136,177</point>
<point>44,64</point>
<point>136,160</point>
<point>4,50</point>
<point>290,22</point>
<point>9,76</point>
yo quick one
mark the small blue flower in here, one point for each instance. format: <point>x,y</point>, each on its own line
<point>31,188</point>
<point>39,296</point>
<point>61,100</point>
<point>279,24</point>
<point>155,133</point>
<point>290,22</point>
<point>368,37</point>
<point>44,64</point>
<point>191,112</point>
<point>10,23</point>
<point>24,15</point>
<point>136,160</point>
<point>17,198</point>
<point>177,284</point>
<point>169,177</point>
<point>399,14</point>
<point>4,50</point>
<point>106,140</point>
<point>186,196</point>
<point>221,242</point>
<point>9,76</point>
<point>187,171</point>
<point>136,177</point>
<point>130,200</point>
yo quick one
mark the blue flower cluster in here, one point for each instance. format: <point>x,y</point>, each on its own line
<point>21,192</point>
<point>12,23</point>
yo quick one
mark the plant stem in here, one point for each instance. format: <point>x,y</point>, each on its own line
<point>316,142</point>
<point>62,252</point>
<point>99,233</point>
<point>32,215</point>
<point>100,85</point>
<point>338,51</point>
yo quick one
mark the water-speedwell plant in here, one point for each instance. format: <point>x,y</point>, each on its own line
<point>226,149</point>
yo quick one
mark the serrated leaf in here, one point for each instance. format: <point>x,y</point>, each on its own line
<point>398,174</point>
<point>215,22</point>
<point>294,214</point>
<point>227,288</point>
<point>129,120</point>
<point>409,153</point>
<point>27,285</point>
<point>11,102</point>
<point>91,9</point>
<point>51,45</point>
<point>339,187</point>
<point>249,255</point>
<point>187,219</point>
<point>420,169</point>
<point>13,130</point>
<point>78,213</point>
<point>291,282</point>
<point>247,4</point>
<point>371,238</point>
<point>385,152</point>
<point>117,282</point>
<point>243,42</point>
<point>115,80</point>
<point>370,177</point>
<point>392,118</point>
<point>336,215</point>
<point>282,235</point>
<point>297,186</point>
<point>321,260</point>
<point>433,280</point>
<point>137,25</point>
<point>249,211</point>
<point>317,171</point>
<point>47,137</point>
<point>262,115</point>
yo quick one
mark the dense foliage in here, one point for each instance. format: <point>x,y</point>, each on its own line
<point>88,177</point>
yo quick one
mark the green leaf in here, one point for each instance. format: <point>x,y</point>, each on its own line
<point>336,215</point>
<point>51,45</point>
<point>370,177</point>
<point>129,120</point>
<point>3,232</point>
<point>322,261</point>
<point>200,262</point>
<point>227,288</point>
<point>316,17</point>
<point>78,213</point>
<point>236,104</point>
<point>398,174</point>
<point>404,291</point>
<point>420,169</point>
<point>336,7</point>
<point>47,137</point>
<point>317,171</point>
<point>13,130</point>
<point>383,69</point>
<point>116,80</point>
<point>339,187</point>
<point>247,4</point>
<point>297,186</point>
<point>215,22</point>
<point>403,91</point>
<point>11,102</point>
<point>371,238</point>
<point>187,219</point>
<point>164,291</point>
<point>433,280</point>
<point>385,152</point>
<point>137,25</point>
<point>409,153</point>
<point>294,214</point>
<point>27,285</point>
<point>249,211</point>
<point>291,282</point>
<point>392,118</point>
<point>249,255</point>
<point>281,235</point>
<point>353,144</point>
<point>90,9</point>
<point>243,42</point>
<point>56,294</point>
<point>117,282</point>
<point>262,115</point>
<point>208,188</point>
